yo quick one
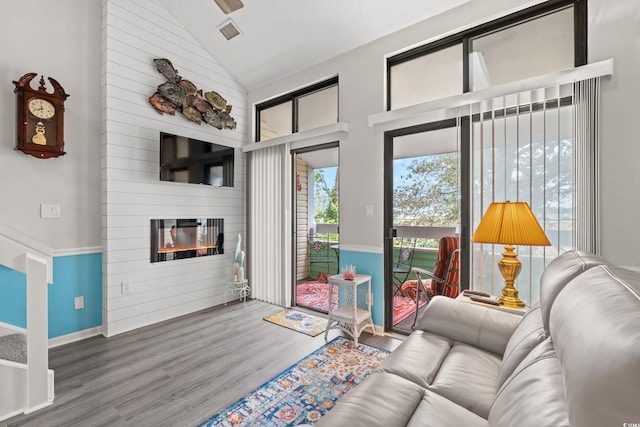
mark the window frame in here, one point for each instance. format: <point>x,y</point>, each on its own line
<point>464,37</point>
<point>293,98</point>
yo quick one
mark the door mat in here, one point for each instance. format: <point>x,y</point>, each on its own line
<point>300,322</point>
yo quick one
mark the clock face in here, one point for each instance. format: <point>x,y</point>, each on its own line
<point>41,108</point>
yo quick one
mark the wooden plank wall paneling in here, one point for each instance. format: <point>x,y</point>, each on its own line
<point>302,218</point>
<point>134,33</point>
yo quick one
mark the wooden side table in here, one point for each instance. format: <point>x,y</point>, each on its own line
<point>240,288</point>
<point>350,305</point>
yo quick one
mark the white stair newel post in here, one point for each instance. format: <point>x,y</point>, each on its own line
<point>37,333</point>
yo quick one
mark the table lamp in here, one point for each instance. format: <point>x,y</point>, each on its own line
<point>510,223</point>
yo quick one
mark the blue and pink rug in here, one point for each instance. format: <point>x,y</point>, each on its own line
<point>305,391</point>
<point>315,295</point>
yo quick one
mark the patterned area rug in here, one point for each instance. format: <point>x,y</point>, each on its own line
<point>404,307</point>
<point>315,295</point>
<point>300,322</point>
<point>305,391</point>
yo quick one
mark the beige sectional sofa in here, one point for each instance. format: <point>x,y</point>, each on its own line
<point>572,360</point>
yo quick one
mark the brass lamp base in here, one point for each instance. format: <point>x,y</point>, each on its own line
<point>510,267</point>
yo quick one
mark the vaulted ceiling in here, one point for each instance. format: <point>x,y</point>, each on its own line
<point>280,37</point>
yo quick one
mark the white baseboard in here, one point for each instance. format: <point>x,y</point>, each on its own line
<point>6,328</point>
<point>76,336</point>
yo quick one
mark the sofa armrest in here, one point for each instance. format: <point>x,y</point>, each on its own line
<point>473,324</point>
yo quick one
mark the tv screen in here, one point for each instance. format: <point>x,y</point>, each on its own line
<point>188,160</point>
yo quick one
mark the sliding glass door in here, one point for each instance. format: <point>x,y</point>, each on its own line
<point>316,224</point>
<point>422,205</point>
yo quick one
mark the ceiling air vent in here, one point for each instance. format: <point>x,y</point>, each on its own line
<point>229,29</point>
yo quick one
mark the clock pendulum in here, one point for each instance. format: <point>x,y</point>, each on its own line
<point>39,137</point>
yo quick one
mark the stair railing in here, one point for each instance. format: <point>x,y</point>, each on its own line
<point>24,254</point>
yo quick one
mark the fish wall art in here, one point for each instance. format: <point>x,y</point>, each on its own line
<point>177,94</point>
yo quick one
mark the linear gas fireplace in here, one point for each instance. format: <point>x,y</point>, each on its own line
<point>186,238</point>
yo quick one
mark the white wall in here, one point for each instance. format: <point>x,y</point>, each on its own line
<point>58,39</point>
<point>613,32</point>
<point>134,33</point>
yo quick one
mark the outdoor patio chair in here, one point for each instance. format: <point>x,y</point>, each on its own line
<point>319,254</point>
<point>405,261</point>
<point>445,278</point>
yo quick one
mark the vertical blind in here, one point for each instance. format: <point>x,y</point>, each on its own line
<point>586,111</point>
<point>538,147</point>
<point>269,248</point>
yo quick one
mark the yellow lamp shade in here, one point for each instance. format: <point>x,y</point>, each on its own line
<point>510,223</point>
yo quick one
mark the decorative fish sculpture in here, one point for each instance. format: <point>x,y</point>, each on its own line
<point>211,117</point>
<point>162,104</point>
<point>218,102</point>
<point>200,104</point>
<point>173,93</point>
<point>184,96</point>
<point>165,67</point>
<point>226,120</point>
<point>192,114</point>
<point>188,87</point>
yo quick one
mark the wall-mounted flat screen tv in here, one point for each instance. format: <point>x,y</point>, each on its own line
<point>191,161</point>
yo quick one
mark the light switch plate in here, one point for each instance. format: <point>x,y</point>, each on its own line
<point>49,211</point>
<point>78,302</point>
<point>368,211</point>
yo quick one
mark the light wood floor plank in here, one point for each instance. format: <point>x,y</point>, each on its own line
<point>174,373</point>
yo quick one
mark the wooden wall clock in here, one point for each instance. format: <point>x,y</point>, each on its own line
<point>40,118</point>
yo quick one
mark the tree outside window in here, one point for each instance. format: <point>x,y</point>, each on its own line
<point>426,193</point>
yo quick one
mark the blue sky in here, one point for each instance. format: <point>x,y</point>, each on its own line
<point>399,169</point>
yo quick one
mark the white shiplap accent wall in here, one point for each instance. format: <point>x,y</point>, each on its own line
<point>134,33</point>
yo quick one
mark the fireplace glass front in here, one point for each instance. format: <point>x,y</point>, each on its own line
<point>186,238</point>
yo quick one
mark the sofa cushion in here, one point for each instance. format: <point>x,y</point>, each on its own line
<point>418,358</point>
<point>559,273</point>
<point>435,410</point>
<point>533,394</point>
<point>468,377</point>
<point>526,337</point>
<point>382,399</point>
<point>595,326</point>
<point>472,324</point>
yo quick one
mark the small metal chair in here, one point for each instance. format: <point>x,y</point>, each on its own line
<point>319,253</point>
<point>405,261</point>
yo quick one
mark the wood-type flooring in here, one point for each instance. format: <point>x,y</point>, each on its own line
<point>174,373</point>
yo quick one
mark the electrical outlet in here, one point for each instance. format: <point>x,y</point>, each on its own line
<point>126,288</point>
<point>78,302</point>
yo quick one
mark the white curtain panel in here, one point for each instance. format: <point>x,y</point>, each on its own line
<point>269,234</point>
<point>538,147</point>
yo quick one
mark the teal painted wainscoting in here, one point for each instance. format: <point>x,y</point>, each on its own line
<point>73,276</point>
<point>13,297</point>
<point>369,263</point>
